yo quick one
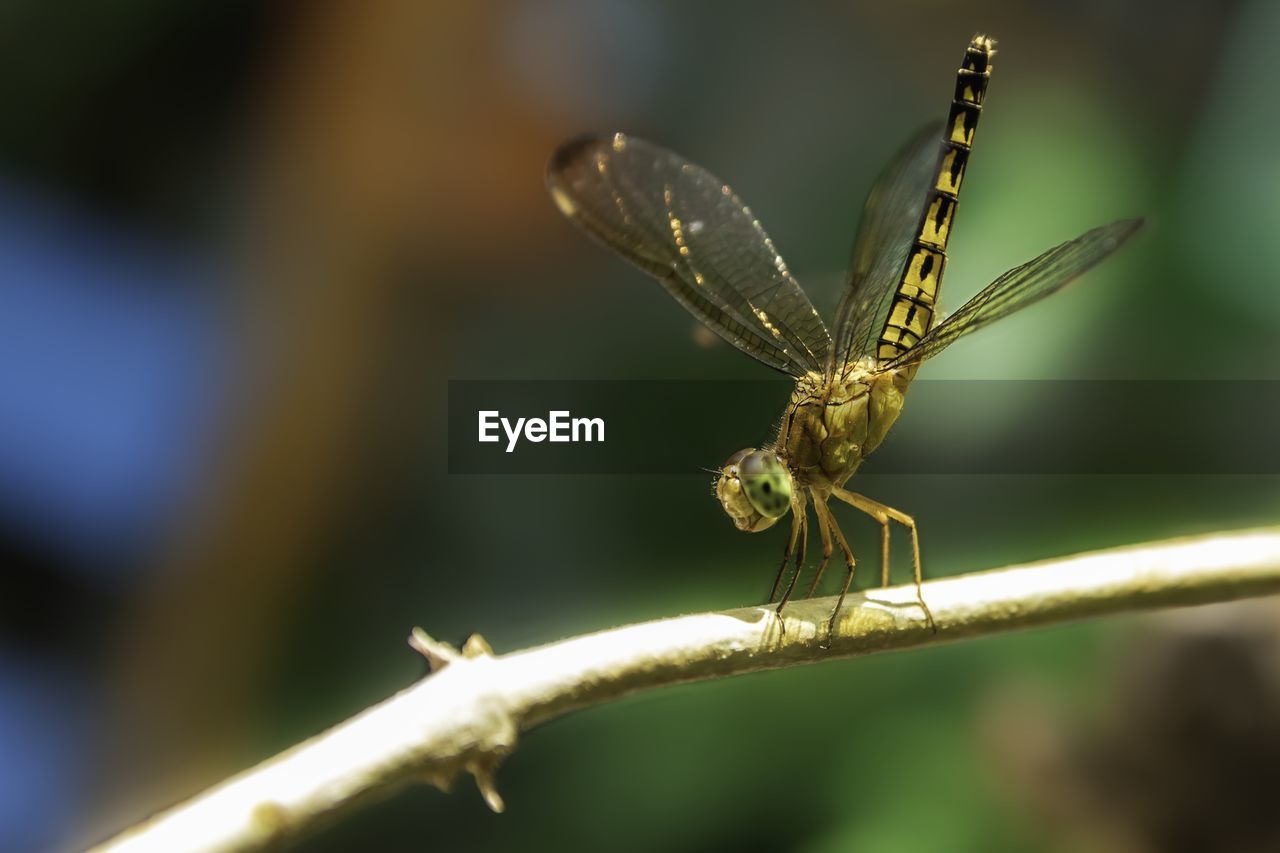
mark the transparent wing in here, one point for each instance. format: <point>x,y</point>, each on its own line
<point>1021,286</point>
<point>890,217</point>
<point>682,225</point>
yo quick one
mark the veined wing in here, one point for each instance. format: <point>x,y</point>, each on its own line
<point>685,227</point>
<point>1021,286</point>
<point>890,217</point>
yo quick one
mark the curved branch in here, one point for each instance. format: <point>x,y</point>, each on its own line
<point>468,713</point>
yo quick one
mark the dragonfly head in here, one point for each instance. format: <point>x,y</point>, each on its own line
<point>755,489</point>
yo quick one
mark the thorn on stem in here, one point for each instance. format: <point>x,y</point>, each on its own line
<point>438,654</point>
<point>483,771</point>
<point>476,647</point>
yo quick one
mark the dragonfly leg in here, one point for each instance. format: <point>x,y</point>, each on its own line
<point>824,530</point>
<point>884,553</point>
<point>850,562</point>
<point>789,548</point>
<point>800,523</point>
<point>884,514</point>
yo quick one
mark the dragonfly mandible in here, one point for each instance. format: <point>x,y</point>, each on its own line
<point>687,228</point>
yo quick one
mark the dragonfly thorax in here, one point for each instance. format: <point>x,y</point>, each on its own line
<point>830,426</point>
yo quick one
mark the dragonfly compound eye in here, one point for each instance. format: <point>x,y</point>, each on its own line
<point>755,489</point>
<point>766,483</point>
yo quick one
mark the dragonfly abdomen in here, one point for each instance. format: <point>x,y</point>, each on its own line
<point>915,300</point>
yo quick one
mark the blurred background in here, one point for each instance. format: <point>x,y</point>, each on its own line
<point>244,246</point>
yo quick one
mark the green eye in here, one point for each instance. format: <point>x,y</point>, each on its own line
<point>766,482</point>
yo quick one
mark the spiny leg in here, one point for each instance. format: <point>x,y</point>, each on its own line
<point>884,553</point>
<point>884,514</point>
<point>850,562</point>
<point>824,530</point>
<point>786,558</point>
<point>802,513</point>
<point>797,521</point>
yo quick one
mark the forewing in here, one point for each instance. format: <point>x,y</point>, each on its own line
<point>684,226</point>
<point>1021,286</point>
<point>890,217</point>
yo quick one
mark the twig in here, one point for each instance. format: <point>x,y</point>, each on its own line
<point>468,713</point>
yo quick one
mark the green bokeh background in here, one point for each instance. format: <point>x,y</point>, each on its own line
<point>1091,117</point>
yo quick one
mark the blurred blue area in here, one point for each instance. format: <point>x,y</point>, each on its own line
<point>44,731</point>
<point>109,363</point>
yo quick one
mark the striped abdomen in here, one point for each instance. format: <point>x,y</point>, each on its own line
<point>913,308</point>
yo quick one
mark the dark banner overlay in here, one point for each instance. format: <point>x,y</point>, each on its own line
<point>946,427</point>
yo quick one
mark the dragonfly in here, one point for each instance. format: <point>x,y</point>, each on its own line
<point>690,231</point>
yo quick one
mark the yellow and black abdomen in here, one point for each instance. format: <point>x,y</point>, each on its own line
<point>914,304</point>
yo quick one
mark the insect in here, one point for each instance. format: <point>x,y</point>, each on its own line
<point>687,228</point>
